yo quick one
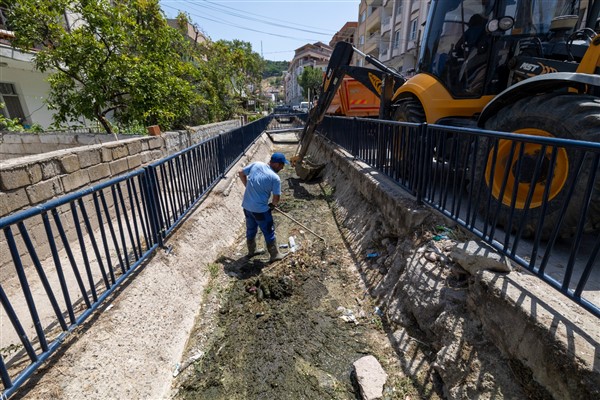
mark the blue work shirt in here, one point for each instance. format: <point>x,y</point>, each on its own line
<point>261,182</point>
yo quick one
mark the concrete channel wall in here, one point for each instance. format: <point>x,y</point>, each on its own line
<point>455,303</point>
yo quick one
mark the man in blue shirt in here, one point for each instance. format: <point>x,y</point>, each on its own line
<point>261,180</point>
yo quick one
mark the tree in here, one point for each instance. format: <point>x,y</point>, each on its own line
<point>231,73</point>
<point>275,68</point>
<point>310,81</point>
<point>119,60</point>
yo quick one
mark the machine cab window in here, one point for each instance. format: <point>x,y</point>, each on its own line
<point>470,42</point>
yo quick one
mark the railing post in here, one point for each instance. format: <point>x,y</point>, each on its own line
<point>150,183</point>
<point>354,136</point>
<point>423,162</point>
<point>221,152</point>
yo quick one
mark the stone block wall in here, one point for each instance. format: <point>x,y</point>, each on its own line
<point>21,144</point>
<point>28,181</point>
<point>176,141</point>
<point>35,179</point>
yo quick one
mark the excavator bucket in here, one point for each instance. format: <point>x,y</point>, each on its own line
<point>307,170</point>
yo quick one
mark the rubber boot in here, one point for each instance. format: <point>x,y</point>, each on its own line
<point>251,243</point>
<point>274,251</point>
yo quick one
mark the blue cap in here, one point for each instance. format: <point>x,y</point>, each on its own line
<point>279,158</point>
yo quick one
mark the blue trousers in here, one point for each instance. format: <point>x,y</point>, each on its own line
<point>264,221</point>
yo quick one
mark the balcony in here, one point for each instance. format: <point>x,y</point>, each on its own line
<point>372,44</point>
<point>386,24</point>
<point>374,21</point>
<point>374,3</point>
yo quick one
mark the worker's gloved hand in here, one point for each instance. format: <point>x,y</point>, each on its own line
<point>271,206</point>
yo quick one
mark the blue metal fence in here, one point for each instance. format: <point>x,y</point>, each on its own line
<point>71,253</point>
<point>535,199</point>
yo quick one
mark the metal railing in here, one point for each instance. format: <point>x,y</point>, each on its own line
<point>71,253</point>
<point>535,199</point>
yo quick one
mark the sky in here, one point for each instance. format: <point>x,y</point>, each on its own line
<point>274,28</point>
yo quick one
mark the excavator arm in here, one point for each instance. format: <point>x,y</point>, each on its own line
<point>338,67</point>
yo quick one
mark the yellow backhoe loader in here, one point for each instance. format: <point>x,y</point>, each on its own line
<point>521,66</point>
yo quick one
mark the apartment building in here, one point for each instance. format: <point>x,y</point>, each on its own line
<point>315,55</point>
<point>346,34</point>
<point>391,30</point>
<point>368,32</point>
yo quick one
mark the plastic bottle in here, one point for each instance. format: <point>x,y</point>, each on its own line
<point>292,244</point>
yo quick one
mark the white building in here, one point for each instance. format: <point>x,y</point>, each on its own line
<point>22,88</point>
<point>314,55</point>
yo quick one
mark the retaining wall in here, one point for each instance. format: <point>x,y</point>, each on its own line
<point>34,179</point>
<point>22,144</point>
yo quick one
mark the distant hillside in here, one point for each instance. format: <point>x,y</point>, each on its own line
<point>275,68</point>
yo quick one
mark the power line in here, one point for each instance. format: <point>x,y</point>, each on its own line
<point>244,14</point>
<point>246,28</point>
<point>271,23</point>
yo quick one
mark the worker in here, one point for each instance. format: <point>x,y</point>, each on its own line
<point>261,180</point>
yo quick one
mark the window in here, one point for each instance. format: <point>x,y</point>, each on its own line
<point>413,30</point>
<point>363,16</point>
<point>361,40</point>
<point>12,104</point>
<point>396,42</point>
<point>399,7</point>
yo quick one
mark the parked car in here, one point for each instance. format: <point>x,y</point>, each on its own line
<point>304,106</point>
<point>284,109</point>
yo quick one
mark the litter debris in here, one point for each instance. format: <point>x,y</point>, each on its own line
<point>179,367</point>
<point>372,255</point>
<point>444,231</point>
<point>348,315</point>
<point>292,244</point>
<point>432,256</point>
<point>283,246</point>
<point>378,311</point>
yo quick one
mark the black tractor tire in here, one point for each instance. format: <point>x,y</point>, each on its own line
<point>561,115</point>
<point>408,109</point>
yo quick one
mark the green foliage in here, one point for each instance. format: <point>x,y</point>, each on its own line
<point>9,124</point>
<point>230,73</point>
<point>119,60</point>
<point>275,68</point>
<point>276,81</point>
<point>311,78</point>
